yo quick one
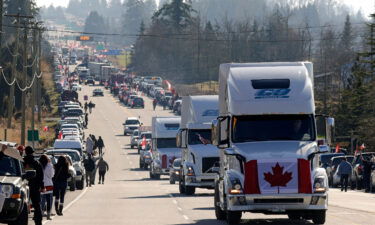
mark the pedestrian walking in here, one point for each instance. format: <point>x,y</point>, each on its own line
<point>89,145</point>
<point>35,184</point>
<point>93,138</point>
<point>86,119</point>
<point>103,168</point>
<point>47,193</point>
<point>89,165</point>
<point>154,103</point>
<point>344,170</point>
<point>86,106</point>
<point>91,105</point>
<point>100,144</point>
<point>60,183</point>
<point>367,166</point>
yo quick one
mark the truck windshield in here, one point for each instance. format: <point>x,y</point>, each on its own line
<point>198,137</point>
<point>166,143</point>
<point>273,128</point>
<point>131,122</point>
<point>9,167</point>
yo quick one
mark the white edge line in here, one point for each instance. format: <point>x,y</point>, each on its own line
<point>185,217</point>
<point>70,204</point>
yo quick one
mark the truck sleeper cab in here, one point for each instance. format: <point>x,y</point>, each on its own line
<point>164,149</point>
<point>267,138</point>
<point>199,157</point>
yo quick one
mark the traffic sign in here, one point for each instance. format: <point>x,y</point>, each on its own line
<point>32,136</point>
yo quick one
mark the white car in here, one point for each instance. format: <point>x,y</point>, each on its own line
<point>131,124</point>
<point>76,86</point>
<point>69,144</point>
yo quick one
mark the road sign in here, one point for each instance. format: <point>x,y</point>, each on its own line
<point>32,136</point>
<point>84,38</point>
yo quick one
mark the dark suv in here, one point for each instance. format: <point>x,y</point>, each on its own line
<point>138,103</point>
<point>14,190</point>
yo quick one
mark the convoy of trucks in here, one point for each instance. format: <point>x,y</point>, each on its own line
<point>96,70</point>
<point>199,157</point>
<point>164,150</point>
<point>266,133</point>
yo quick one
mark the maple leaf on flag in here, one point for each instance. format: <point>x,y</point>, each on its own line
<point>278,178</point>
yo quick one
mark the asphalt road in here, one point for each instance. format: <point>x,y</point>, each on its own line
<point>130,197</point>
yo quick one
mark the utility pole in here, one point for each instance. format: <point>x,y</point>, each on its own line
<point>39,85</point>
<point>34,86</point>
<point>24,83</point>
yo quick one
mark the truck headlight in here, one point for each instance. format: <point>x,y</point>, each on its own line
<point>190,171</point>
<point>236,187</point>
<point>7,190</point>
<point>319,185</point>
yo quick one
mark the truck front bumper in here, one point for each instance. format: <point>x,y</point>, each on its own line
<point>277,204</point>
<point>204,181</point>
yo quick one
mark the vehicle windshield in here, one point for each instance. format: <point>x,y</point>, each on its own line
<point>325,159</point>
<point>147,135</point>
<point>273,128</point>
<point>9,167</point>
<point>198,137</point>
<point>131,122</point>
<point>138,100</point>
<point>166,143</point>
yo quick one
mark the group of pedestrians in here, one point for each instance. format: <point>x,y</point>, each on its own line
<point>92,144</point>
<point>50,181</point>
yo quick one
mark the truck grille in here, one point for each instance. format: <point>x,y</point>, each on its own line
<point>208,163</point>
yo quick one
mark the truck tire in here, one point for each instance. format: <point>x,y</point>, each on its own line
<point>234,217</point>
<point>189,190</point>
<point>131,146</point>
<point>219,213</point>
<point>319,217</point>
<point>181,187</point>
<point>80,184</point>
<point>22,219</point>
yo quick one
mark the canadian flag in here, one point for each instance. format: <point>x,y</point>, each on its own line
<point>277,176</point>
<point>60,135</point>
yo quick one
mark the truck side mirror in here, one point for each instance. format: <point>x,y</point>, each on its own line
<point>215,132</point>
<point>181,139</point>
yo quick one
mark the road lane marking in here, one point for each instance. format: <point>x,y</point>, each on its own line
<point>179,209</point>
<point>185,217</point>
<point>70,204</point>
<point>174,201</point>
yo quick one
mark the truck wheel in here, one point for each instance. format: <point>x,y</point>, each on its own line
<point>80,184</point>
<point>220,214</point>
<point>22,219</point>
<point>319,217</point>
<point>131,146</point>
<point>234,217</point>
<point>157,176</point>
<point>181,187</point>
<point>189,190</point>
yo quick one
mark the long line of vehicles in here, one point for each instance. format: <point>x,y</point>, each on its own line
<point>276,167</point>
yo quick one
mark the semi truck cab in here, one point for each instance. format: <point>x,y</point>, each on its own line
<point>266,133</point>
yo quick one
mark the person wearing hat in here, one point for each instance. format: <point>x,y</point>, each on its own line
<point>35,184</point>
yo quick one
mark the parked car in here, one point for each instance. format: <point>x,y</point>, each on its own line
<point>97,92</point>
<point>137,103</point>
<point>134,139</point>
<point>147,135</point>
<point>69,144</point>
<point>129,99</point>
<point>76,163</point>
<point>325,160</point>
<point>131,124</point>
<point>16,192</point>
<point>333,177</point>
<point>145,158</point>
<point>357,176</point>
<point>174,173</point>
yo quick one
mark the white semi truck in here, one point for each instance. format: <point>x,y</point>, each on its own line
<point>199,156</point>
<point>266,133</point>
<point>164,149</point>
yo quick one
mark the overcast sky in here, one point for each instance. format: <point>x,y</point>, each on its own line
<point>368,6</point>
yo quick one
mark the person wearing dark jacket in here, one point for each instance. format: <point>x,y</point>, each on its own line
<point>367,166</point>
<point>35,184</point>
<point>60,183</point>
<point>100,144</point>
<point>103,168</point>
